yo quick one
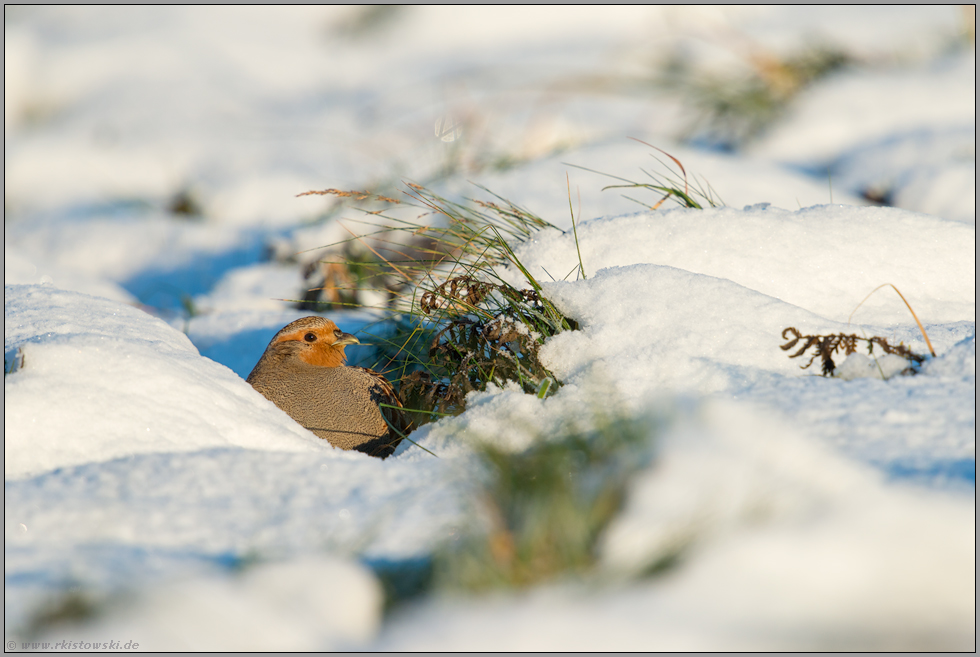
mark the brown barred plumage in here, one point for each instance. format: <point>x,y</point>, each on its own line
<point>302,372</point>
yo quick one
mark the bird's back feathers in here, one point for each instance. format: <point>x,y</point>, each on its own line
<point>350,407</point>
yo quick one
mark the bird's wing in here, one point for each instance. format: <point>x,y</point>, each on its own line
<point>392,408</point>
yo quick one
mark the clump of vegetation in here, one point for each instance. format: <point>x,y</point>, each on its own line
<point>471,350</point>
<point>367,21</point>
<point>825,346</point>
<point>185,204</point>
<point>69,607</point>
<point>460,325</point>
<point>547,506</point>
<point>731,111</point>
<point>672,187</point>
<point>337,283</point>
<point>458,321</point>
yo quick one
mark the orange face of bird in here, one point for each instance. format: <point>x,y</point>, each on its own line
<point>323,342</point>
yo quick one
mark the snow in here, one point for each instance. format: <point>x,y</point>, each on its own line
<point>123,383</point>
<point>929,170</point>
<point>146,479</point>
<point>824,259</point>
<point>791,547</point>
<point>838,115</point>
<point>280,606</point>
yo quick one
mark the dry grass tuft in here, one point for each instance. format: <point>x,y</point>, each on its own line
<point>671,185</point>
<point>907,305</point>
<point>456,324</point>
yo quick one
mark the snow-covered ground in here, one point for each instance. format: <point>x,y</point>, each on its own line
<point>152,496</point>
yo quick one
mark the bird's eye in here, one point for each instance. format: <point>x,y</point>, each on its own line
<point>310,337</point>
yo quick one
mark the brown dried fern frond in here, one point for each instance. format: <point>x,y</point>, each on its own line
<point>825,346</point>
<point>465,289</point>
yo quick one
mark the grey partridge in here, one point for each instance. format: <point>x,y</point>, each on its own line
<point>303,372</point>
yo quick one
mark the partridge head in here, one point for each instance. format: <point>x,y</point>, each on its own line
<point>303,372</point>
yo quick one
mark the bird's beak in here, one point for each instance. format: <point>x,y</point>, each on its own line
<point>346,339</point>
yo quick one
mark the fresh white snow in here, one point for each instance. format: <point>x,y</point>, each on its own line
<point>147,482</point>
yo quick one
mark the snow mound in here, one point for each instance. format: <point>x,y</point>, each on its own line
<point>102,380</point>
<point>637,330</point>
<point>18,269</point>
<point>844,110</point>
<point>860,366</point>
<point>777,543</point>
<point>292,605</point>
<point>932,171</point>
<point>959,362</point>
<point>824,258</point>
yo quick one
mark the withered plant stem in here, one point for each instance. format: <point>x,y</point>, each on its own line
<point>907,305</point>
